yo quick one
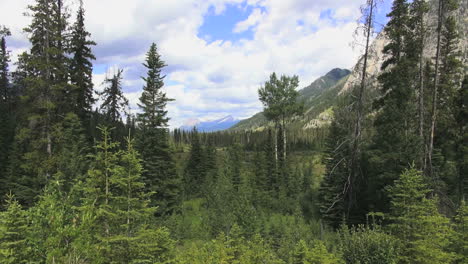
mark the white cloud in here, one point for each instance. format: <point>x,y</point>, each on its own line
<point>209,79</point>
<point>251,21</point>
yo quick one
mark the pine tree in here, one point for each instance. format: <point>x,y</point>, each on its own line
<point>234,163</point>
<point>133,238</point>
<point>195,170</point>
<point>114,101</point>
<point>116,215</point>
<point>44,98</point>
<point>14,229</point>
<point>462,140</point>
<point>153,138</point>
<point>4,60</point>
<point>318,254</point>
<point>96,209</point>
<point>395,143</point>
<point>81,67</point>
<point>460,235</point>
<point>333,188</point>
<point>416,222</point>
<point>6,102</point>
<point>447,129</point>
<point>417,25</point>
<point>53,223</point>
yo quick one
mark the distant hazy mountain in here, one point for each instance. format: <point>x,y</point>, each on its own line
<point>210,126</point>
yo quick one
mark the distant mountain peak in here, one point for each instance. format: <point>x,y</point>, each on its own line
<point>337,73</point>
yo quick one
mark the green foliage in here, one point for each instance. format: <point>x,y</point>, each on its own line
<point>195,171</point>
<point>459,239</point>
<point>14,247</point>
<point>318,254</point>
<point>114,101</point>
<point>396,142</point>
<point>53,223</point>
<point>159,172</point>
<point>279,97</point>
<point>81,67</point>
<point>367,245</point>
<point>229,249</point>
<point>423,232</point>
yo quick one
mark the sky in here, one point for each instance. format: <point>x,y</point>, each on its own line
<point>218,52</point>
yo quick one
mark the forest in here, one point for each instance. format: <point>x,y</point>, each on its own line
<point>82,181</point>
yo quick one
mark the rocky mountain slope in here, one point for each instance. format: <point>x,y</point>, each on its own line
<point>321,95</point>
<point>318,97</point>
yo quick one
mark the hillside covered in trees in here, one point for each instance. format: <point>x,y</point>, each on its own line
<point>368,165</point>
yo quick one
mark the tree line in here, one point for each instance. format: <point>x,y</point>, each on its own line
<point>384,184</point>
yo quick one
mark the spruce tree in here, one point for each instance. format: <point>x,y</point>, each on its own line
<point>81,67</point>
<point>6,102</point>
<point>114,101</point>
<point>416,222</point>
<point>447,129</point>
<point>195,170</point>
<point>395,143</point>
<point>116,216</point>
<point>53,223</point>
<point>459,237</point>
<point>159,173</point>
<point>234,168</point>
<point>14,247</point>
<point>44,98</point>
<point>318,254</point>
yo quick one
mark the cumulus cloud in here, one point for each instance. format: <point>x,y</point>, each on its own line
<point>209,79</point>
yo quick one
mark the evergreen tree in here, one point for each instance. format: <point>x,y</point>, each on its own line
<point>462,140</point>
<point>318,254</point>
<point>53,223</point>
<point>81,67</point>
<point>365,244</point>
<point>416,43</point>
<point>416,222</point>
<point>6,102</point>
<point>395,143</point>
<point>234,168</point>
<point>116,215</point>
<point>114,101</point>
<point>460,235</point>
<point>44,98</point>
<point>4,60</point>
<point>195,170</point>
<point>159,173</point>
<point>447,129</point>
<point>333,188</point>
<point>14,229</point>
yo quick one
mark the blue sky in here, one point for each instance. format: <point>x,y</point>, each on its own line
<point>218,52</point>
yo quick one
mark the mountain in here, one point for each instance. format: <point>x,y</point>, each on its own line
<point>212,125</point>
<point>318,98</point>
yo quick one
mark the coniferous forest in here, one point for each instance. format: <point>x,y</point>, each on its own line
<point>385,181</point>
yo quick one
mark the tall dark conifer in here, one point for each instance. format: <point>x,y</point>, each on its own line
<point>81,67</point>
<point>45,98</point>
<point>395,144</point>
<point>114,101</point>
<point>195,170</point>
<point>6,101</point>
<point>153,137</point>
